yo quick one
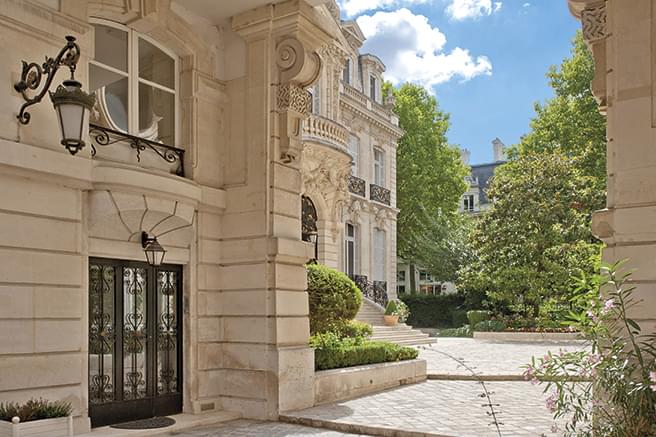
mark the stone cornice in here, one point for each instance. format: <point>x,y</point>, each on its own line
<point>395,132</point>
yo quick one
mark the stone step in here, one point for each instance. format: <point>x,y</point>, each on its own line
<point>401,336</point>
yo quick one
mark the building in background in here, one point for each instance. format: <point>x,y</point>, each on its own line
<point>474,202</point>
<point>349,165</point>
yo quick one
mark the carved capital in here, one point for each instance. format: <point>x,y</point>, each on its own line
<point>593,19</point>
<point>297,64</point>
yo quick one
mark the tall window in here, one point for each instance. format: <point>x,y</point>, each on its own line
<point>351,257</point>
<point>379,255</point>
<point>346,74</point>
<point>468,202</point>
<point>373,88</point>
<point>135,82</point>
<point>354,148</point>
<point>316,99</point>
<point>379,167</point>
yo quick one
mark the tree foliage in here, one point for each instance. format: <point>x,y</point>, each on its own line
<point>570,122</point>
<point>535,236</point>
<point>430,183</point>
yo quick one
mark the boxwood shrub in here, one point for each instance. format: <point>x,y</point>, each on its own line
<point>435,311</point>
<point>476,316</point>
<point>331,352</point>
<point>334,298</point>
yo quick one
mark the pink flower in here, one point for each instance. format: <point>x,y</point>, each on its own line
<point>594,358</point>
<point>608,305</point>
<point>652,378</point>
<point>554,428</point>
<point>529,373</point>
<point>551,402</point>
<point>592,316</point>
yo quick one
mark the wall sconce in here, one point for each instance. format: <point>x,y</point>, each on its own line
<point>153,250</point>
<point>71,103</point>
<point>313,237</point>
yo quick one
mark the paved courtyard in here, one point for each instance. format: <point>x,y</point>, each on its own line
<point>251,428</point>
<point>454,407</point>
<point>486,357</point>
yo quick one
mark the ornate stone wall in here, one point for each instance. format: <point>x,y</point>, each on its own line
<point>619,34</point>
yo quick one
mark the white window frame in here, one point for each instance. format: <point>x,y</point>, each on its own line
<point>346,72</point>
<point>379,167</point>
<point>134,79</point>
<point>315,96</point>
<point>354,148</point>
<point>380,255</point>
<point>351,240</point>
<point>373,87</point>
<point>468,203</point>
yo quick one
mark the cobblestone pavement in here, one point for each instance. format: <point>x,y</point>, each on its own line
<point>451,408</point>
<point>487,357</point>
<point>251,428</point>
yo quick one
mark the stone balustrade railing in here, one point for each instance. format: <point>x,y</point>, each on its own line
<point>317,127</point>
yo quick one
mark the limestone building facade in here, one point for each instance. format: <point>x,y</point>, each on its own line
<point>199,138</point>
<point>621,35</point>
<point>349,165</point>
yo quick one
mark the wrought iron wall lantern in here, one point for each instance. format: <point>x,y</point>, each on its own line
<point>153,250</point>
<point>71,103</point>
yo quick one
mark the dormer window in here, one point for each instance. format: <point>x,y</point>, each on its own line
<point>135,82</point>
<point>346,73</point>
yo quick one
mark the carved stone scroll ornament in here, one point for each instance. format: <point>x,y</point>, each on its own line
<point>298,69</point>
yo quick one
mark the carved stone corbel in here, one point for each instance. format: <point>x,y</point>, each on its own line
<point>298,69</point>
<point>593,19</point>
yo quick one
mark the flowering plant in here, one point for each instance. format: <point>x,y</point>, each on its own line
<point>609,389</point>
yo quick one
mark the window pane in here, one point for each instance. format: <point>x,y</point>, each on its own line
<point>155,65</point>
<point>112,98</point>
<point>156,114</point>
<point>111,47</point>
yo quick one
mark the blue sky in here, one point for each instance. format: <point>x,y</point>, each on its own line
<point>485,60</point>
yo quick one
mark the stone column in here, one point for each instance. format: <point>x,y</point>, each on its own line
<point>268,366</point>
<point>619,33</point>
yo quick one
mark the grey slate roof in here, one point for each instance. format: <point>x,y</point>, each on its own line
<point>484,173</point>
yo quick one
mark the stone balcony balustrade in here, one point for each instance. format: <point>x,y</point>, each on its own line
<point>325,131</point>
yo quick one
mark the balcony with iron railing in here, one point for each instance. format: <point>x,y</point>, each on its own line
<point>113,145</point>
<point>357,186</point>
<point>325,131</point>
<point>380,194</point>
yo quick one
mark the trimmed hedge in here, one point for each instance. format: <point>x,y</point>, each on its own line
<point>353,329</point>
<point>490,326</point>
<point>334,298</point>
<point>332,353</point>
<point>435,311</point>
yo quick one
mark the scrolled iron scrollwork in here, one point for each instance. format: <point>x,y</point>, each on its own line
<point>376,291</point>
<point>357,186</point>
<point>33,74</point>
<point>380,194</point>
<point>103,136</point>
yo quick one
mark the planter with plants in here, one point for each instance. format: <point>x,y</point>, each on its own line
<point>36,418</point>
<point>396,312</point>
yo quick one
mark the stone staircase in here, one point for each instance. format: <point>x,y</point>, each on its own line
<point>400,334</point>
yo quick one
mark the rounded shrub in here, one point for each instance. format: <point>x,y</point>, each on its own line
<point>477,316</point>
<point>391,309</point>
<point>334,298</point>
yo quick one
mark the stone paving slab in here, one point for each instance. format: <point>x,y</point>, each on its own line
<point>441,408</point>
<point>252,428</point>
<point>486,357</point>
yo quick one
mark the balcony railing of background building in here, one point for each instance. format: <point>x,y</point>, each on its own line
<point>376,291</point>
<point>357,186</point>
<point>325,130</point>
<point>114,145</point>
<point>379,194</point>
<point>355,94</point>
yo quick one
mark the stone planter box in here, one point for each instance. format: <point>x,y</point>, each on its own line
<point>339,384</point>
<point>527,336</point>
<point>60,427</point>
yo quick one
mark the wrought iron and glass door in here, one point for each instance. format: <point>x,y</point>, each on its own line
<point>135,341</point>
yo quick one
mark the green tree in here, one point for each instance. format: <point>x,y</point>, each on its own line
<point>570,122</point>
<point>430,183</point>
<point>535,236</point>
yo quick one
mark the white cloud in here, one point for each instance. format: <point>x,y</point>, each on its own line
<point>463,9</point>
<point>354,7</point>
<point>526,5</point>
<point>412,50</point>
